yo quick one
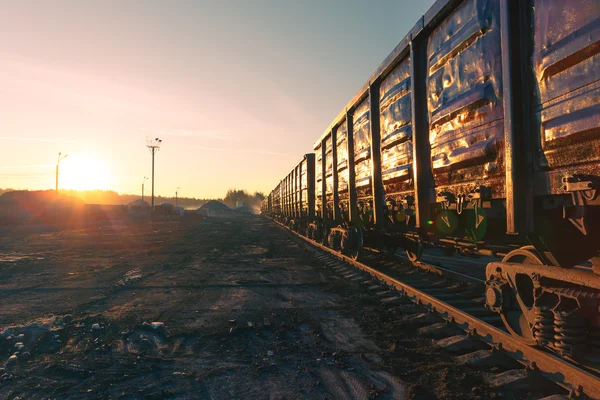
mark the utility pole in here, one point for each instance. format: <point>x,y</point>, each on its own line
<point>153,146</point>
<point>145,178</point>
<point>58,162</point>
<point>176,204</point>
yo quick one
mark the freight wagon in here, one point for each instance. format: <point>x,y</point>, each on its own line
<point>479,134</point>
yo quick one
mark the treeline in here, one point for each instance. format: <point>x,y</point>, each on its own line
<point>251,201</point>
<point>110,197</point>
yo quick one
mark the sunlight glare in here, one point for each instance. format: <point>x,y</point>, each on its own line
<point>83,172</point>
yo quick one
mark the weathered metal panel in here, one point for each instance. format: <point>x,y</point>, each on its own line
<point>396,129</point>
<point>566,58</point>
<point>352,195</point>
<point>343,172</point>
<point>318,177</point>
<point>297,190</point>
<point>399,52</point>
<point>304,186</point>
<point>378,203</point>
<point>276,199</point>
<point>284,198</point>
<point>464,98</point>
<point>362,149</point>
<point>282,194</point>
<point>342,160</point>
<point>290,198</point>
<point>290,194</point>
<point>334,172</point>
<point>310,173</point>
<point>329,168</point>
<point>287,195</point>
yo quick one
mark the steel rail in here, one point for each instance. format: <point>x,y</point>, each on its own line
<point>441,271</point>
<point>436,269</point>
<point>572,378</point>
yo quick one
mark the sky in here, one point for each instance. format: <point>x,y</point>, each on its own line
<point>236,90</point>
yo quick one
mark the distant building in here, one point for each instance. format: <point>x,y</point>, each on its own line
<point>213,207</point>
<point>165,209</point>
<point>138,208</point>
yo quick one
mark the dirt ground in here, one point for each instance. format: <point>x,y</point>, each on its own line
<point>223,309</point>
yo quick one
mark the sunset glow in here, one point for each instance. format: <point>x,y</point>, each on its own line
<point>84,172</point>
<point>233,95</point>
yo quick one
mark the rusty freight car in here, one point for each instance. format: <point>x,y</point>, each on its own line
<point>480,134</point>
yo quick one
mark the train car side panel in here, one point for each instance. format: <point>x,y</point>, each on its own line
<point>396,130</point>
<point>362,150</point>
<point>566,61</point>
<point>464,96</point>
<point>329,176</point>
<point>343,170</point>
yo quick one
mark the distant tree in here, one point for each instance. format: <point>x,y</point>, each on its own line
<point>2,191</point>
<point>111,197</point>
<point>251,201</point>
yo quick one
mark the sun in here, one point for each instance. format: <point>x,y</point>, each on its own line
<point>83,172</point>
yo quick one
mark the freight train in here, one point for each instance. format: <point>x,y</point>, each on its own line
<point>479,135</point>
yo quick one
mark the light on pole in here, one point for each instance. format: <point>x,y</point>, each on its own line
<point>176,204</point>
<point>144,180</point>
<point>57,163</point>
<point>153,145</point>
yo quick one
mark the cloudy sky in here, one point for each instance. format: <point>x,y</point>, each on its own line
<point>237,90</point>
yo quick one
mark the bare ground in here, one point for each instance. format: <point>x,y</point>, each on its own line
<point>246,312</point>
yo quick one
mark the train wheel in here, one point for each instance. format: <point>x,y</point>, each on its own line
<point>515,319</point>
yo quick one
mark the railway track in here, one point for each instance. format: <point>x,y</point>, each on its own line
<point>458,300</point>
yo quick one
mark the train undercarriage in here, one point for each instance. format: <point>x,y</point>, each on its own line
<point>541,303</point>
